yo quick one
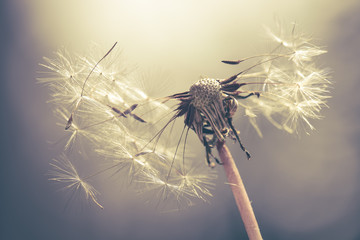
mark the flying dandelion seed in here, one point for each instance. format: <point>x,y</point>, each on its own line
<point>130,133</point>
<point>65,172</point>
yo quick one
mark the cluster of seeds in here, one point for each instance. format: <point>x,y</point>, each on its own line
<point>110,120</point>
<point>205,91</point>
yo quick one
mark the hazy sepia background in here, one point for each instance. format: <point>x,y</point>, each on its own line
<point>305,188</point>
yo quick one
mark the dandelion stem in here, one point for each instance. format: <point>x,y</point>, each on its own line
<point>239,191</point>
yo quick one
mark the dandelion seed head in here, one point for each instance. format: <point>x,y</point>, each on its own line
<point>108,115</point>
<point>205,91</point>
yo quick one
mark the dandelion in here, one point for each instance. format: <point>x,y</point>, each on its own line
<point>128,132</point>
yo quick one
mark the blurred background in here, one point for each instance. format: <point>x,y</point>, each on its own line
<point>305,188</point>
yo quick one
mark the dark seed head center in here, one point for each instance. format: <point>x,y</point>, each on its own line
<point>204,92</point>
